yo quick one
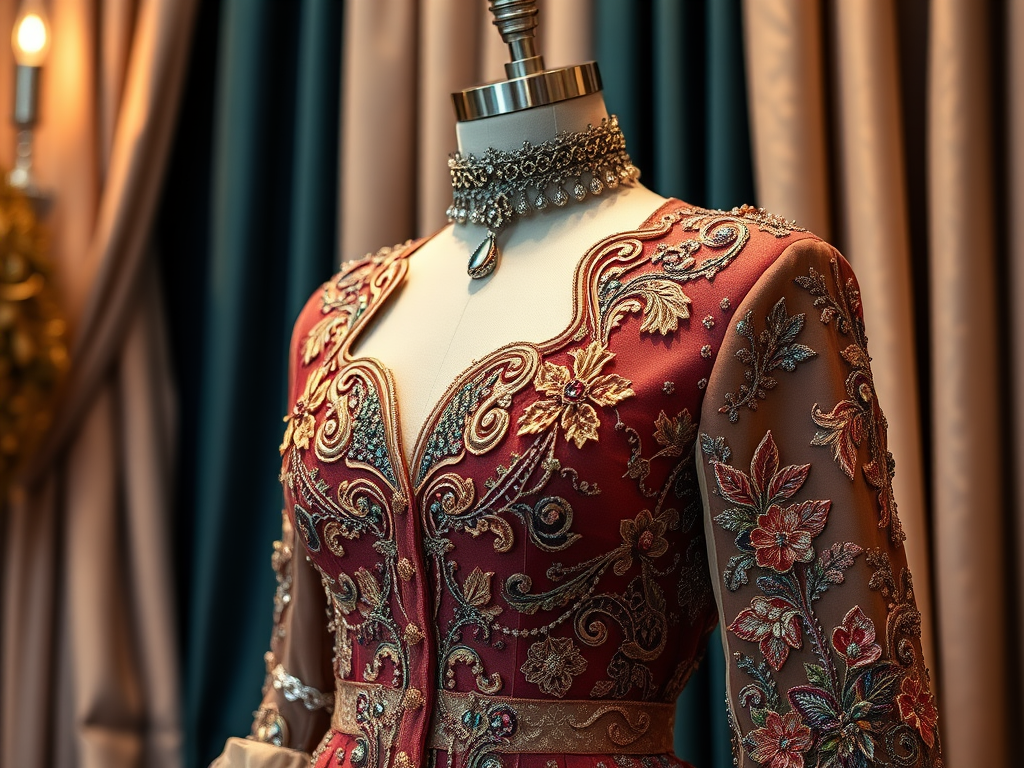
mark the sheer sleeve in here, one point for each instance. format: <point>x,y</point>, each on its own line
<point>820,626</point>
<point>298,689</point>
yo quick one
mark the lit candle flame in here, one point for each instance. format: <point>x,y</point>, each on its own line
<point>31,34</point>
<point>31,38</point>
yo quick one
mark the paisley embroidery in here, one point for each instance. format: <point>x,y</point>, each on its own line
<point>775,347</point>
<point>851,421</point>
<point>568,394</point>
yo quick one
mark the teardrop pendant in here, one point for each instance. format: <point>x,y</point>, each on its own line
<point>485,257</point>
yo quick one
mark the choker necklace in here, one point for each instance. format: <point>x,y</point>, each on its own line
<point>500,187</point>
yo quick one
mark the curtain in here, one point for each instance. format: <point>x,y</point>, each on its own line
<point>254,177</point>
<point>841,95</point>
<point>89,663</point>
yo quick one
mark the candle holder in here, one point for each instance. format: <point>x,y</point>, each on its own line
<point>31,42</point>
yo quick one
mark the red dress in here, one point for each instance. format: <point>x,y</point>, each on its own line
<point>702,442</point>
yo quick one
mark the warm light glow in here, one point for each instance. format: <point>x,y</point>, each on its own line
<point>31,38</point>
<point>31,34</point>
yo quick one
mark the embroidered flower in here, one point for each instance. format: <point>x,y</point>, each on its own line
<point>301,424</point>
<point>568,394</point>
<point>783,535</point>
<point>552,664</point>
<point>782,742</point>
<point>772,623</point>
<point>643,536</point>
<point>917,708</point>
<point>855,639</point>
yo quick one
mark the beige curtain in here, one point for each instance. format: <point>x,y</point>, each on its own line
<point>402,60</point>
<point>89,667</point>
<point>828,118</point>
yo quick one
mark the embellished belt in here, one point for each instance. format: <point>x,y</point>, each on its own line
<point>465,721</point>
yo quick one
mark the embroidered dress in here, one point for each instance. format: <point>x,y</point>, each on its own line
<point>702,443</point>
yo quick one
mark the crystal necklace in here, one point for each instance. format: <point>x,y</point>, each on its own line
<point>500,187</point>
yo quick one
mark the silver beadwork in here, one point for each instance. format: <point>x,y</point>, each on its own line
<point>497,189</point>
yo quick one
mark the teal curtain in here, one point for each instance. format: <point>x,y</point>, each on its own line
<point>256,163</point>
<point>674,74</point>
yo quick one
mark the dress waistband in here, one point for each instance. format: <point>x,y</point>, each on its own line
<point>464,720</point>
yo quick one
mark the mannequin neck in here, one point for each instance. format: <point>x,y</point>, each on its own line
<point>537,125</point>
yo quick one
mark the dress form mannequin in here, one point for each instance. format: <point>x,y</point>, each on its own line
<point>440,320</point>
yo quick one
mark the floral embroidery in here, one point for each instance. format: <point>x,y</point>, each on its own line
<point>767,534</point>
<point>784,534</point>
<point>301,424</point>
<point>775,347</point>
<point>552,665</point>
<point>644,536</point>
<point>917,708</point>
<point>773,623</point>
<point>855,639</point>
<point>851,421</point>
<point>782,742</point>
<point>842,716</point>
<point>568,394</point>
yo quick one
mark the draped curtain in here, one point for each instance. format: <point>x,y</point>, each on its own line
<point>316,131</point>
<point>87,629</point>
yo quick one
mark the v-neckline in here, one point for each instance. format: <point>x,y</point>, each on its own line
<point>580,309</point>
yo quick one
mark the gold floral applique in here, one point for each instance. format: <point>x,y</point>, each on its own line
<point>568,394</point>
<point>301,424</point>
<point>552,664</point>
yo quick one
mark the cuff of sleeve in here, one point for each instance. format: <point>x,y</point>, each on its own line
<point>245,753</point>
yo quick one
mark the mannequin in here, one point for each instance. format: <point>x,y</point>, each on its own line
<point>440,320</point>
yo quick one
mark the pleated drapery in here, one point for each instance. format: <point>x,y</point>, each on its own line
<point>881,123</point>
<point>270,242</point>
<point>320,133</point>
<point>89,663</point>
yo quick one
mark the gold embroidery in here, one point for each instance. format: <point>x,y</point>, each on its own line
<point>413,634</point>
<point>569,393</point>
<point>472,723</point>
<point>406,570</point>
<point>552,665</point>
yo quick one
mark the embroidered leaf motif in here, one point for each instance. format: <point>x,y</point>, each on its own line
<point>858,418</point>
<point>734,485</point>
<point>816,675</point>
<point>714,448</point>
<point>842,429</point>
<point>369,589</point>
<point>775,347</point>
<point>787,482</point>
<point>665,305</point>
<point>735,574</point>
<point>818,707</point>
<point>736,519</point>
<point>674,434</point>
<point>477,591</point>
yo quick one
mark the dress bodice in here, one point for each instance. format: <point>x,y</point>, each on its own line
<point>536,583</point>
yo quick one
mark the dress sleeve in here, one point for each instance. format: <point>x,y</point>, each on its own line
<point>820,626</point>
<point>298,690</point>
